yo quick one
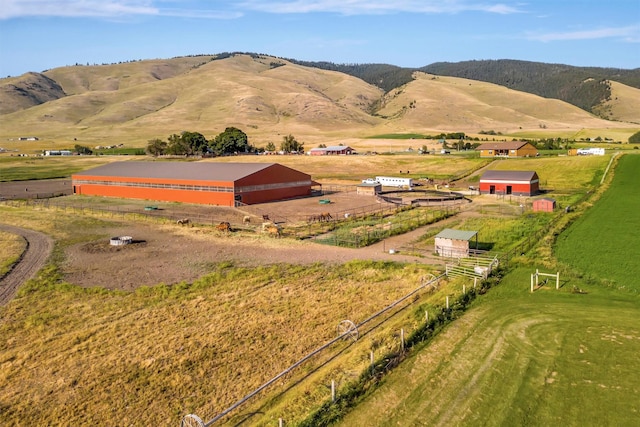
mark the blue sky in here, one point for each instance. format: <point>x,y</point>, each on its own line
<point>36,35</point>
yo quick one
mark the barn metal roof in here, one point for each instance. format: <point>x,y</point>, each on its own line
<point>333,148</point>
<point>207,171</point>
<point>511,145</point>
<point>449,233</point>
<point>494,175</point>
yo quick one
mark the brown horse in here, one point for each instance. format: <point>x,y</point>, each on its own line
<point>224,227</point>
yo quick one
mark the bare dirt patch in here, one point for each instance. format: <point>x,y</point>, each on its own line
<point>173,254</point>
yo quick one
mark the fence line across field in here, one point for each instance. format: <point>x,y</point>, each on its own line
<point>346,329</point>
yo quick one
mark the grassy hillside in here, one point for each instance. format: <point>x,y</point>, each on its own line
<point>622,104</point>
<point>19,93</point>
<point>584,87</point>
<point>450,103</point>
<point>264,99</point>
<point>270,97</point>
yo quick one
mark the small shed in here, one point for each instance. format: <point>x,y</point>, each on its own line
<point>454,243</point>
<point>365,189</point>
<point>544,205</point>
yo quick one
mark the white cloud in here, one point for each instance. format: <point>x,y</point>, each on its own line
<point>370,7</point>
<point>74,8</point>
<point>629,33</point>
<point>102,9</point>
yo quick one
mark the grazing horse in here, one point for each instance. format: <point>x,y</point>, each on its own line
<point>183,221</point>
<point>225,227</point>
<point>325,216</point>
<point>274,231</point>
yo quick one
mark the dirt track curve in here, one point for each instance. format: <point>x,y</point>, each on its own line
<point>34,257</point>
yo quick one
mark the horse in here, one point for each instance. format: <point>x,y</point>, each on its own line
<point>325,216</point>
<point>225,227</point>
<point>183,221</point>
<point>274,231</point>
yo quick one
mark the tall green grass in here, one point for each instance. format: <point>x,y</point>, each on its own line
<point>604,243</point>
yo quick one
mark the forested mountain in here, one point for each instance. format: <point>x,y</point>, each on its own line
<point>584,87</point>
<point>386,77</point>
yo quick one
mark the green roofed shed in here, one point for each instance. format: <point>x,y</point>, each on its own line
<point>454,243</point>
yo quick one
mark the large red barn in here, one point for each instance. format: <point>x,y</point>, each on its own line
<point>222,184</point>
<point>518,183</point>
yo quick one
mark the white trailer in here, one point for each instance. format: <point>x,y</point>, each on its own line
<point>590,152</point>
<point>390,181</point>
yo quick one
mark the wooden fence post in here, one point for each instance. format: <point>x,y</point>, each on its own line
<point>333,390</point>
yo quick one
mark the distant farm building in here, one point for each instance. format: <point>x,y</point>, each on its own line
<point>454,243</point>
<point>332,151</point>
<point>28,138</point>
<point>517,183</point>
<point>222,184</point>
<point>57,153</point>
<point>544,205</point>
<point>507,149</point>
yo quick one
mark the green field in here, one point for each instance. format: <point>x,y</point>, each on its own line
<point>552,357</point>
<point>604,242</point>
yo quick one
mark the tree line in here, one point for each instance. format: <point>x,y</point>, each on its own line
<point>231,141</point>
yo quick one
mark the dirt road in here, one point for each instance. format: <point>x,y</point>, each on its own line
<point>38,249</point>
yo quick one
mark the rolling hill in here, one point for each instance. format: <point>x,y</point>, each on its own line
<point>269,97</point>
<point>584,87</point>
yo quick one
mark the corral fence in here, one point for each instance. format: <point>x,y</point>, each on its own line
<point>424,198</point>
<point>116,211</point>
<point>33,195</point>
<point>374,226</point>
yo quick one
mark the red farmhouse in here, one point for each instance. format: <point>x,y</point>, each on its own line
<point>518,183</point>
<point>222,184</point>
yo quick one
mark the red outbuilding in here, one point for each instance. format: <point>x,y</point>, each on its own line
<point>222,184</point>
<point>517,183</point>
<point>544,205</point>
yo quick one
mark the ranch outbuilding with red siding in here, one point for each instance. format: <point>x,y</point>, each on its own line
<point>222,184</point>
<point>517,183</point>
<point>544,205</point>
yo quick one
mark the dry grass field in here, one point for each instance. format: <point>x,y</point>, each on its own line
<point>98,354</point>
<point>10,250</point>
